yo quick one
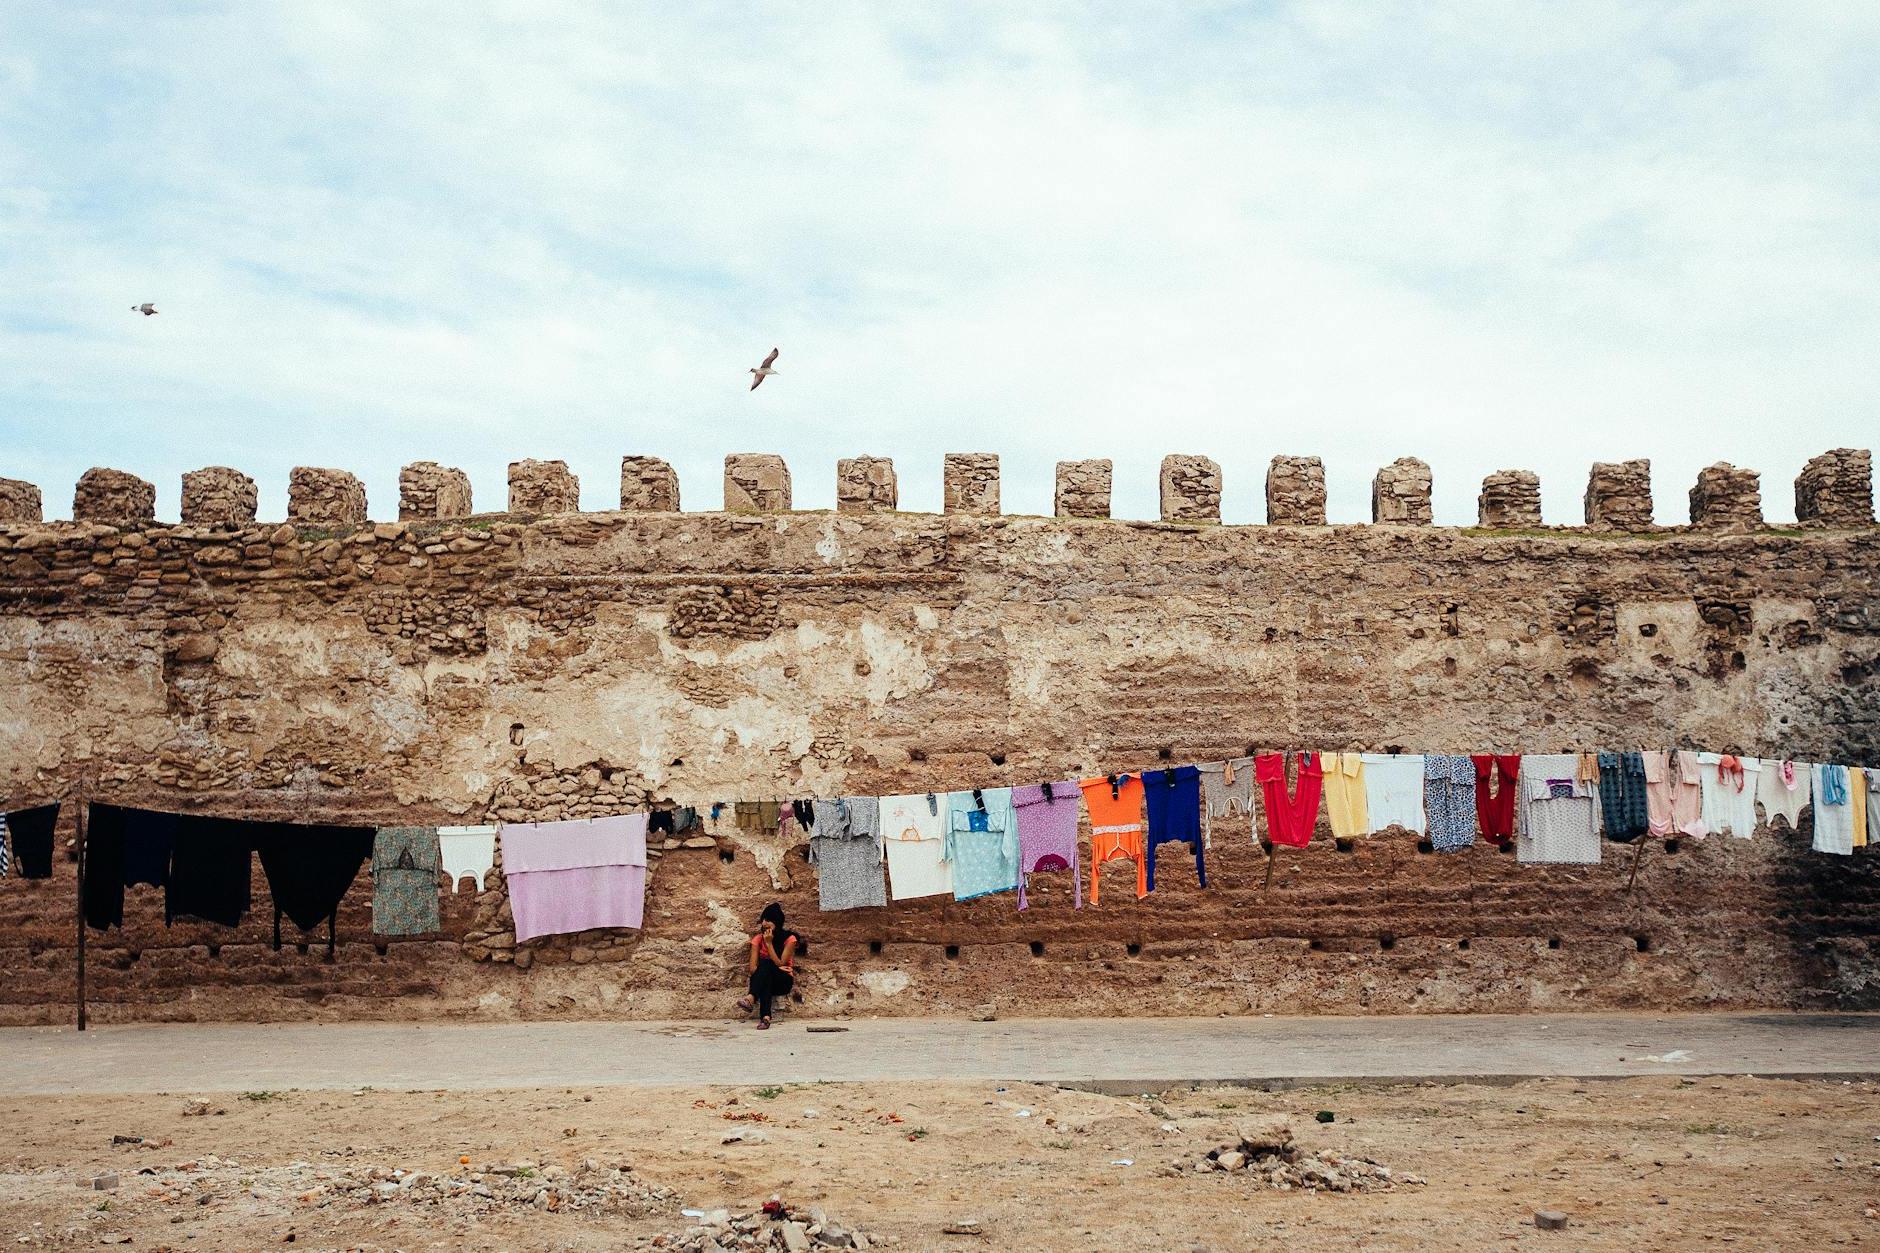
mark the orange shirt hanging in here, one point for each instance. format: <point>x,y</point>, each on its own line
<point>1115,806</point>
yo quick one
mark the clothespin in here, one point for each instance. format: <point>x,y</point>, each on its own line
<point>979,799</point>
<point>1047,793</point>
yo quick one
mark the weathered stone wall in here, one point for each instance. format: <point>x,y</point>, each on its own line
<point>1400,493</point>
<point>19,501</point>
<point>218,496</point>
<point>969,482</point>
<point>583,663</point>
<point>1082,489</point>
<point>1295,492</point>
<point>1510,499</point>
<point>866,485</point>
<point>648,484</point>
<point>543,487</point>
<point>429,491</point>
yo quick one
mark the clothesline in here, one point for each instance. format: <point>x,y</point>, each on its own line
<point>965,843</point>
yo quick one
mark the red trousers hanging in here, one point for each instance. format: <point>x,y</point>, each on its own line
<point>1290,819</point>
<point>1496,813</point>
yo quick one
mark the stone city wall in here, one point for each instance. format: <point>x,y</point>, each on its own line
<point>452,669</point>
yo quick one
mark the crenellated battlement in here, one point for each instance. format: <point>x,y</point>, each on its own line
<point>545,662</point>
<point>1835,490</point>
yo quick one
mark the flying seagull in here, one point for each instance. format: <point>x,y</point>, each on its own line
<point>763,371</point>
<point>145,308</point>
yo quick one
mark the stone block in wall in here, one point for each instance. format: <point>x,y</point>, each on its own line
<point>1401,493</point>
<point>1726,498</point>
<point>428,492</point>
<point>648,485</point>
<point>1509,499</point>
<point>327,498</point>
<point>1083,488</point>
<point>1836,489</point>
<point>756,482</point>
<point>218,496</point>
<point>1295,492</point>
<point>543,487</point>
<point>19,501</point>
<point>866,485</point>
<point>1619,495</point>
<point>971,482</point>
<point>113,496</point>
<point>1191,489</point>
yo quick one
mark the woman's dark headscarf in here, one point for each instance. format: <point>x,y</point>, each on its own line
<point>779,934</point>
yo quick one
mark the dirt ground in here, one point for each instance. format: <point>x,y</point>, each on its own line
<point>1637,1164</point>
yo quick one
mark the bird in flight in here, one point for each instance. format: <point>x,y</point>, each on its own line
<point>145,308</point>
<point>765,370</point>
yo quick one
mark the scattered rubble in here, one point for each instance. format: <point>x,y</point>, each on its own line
<point>1270,1154</point>
<point>467,1191</point>
<point>773,1225</point>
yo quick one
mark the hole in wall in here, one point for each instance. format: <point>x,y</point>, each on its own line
<point>1553,941</point>
<point>215,951</point>
<point>1346,844</point>
<point>1449,667</point>
<point>1037,948</point>
<point>515,733</point>
<point>1387,941</point>
<point>727,856</point>
<point>1425,846</point>
<point>379,949</point>
<point>1507,846</point>
<point>1134,950</point>
<point>1643,943</point>
<point>1462,945</point>
<point>301,948</point>
<point>678,761</point>
<point>1315,946</point>
<point>917,754</point>
<point>1164,753</point>
<point>1648,629</point>
<point>874,948</point>
<point>998,759</point>
<point>1671,846</point>
<point>953,952</point>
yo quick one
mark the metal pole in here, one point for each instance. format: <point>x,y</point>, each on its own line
<point>83,815</point>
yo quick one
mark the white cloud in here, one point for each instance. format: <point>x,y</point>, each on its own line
<point>1487,235</point>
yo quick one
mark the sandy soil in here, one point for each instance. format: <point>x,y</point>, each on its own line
<point>1638,1164</point>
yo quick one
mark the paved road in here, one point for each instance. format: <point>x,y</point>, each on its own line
<point>1118,1054</point>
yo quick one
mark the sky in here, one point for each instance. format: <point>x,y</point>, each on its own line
<point>1490,235</point>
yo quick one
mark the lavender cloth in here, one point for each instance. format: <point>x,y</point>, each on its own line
<point>575,876</point>
<point>1047,831</point>
<point>575,844</point>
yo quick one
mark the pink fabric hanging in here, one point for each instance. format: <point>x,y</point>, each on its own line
<point>577,875</point>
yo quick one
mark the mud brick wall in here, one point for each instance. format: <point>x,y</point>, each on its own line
<point>582,663</point>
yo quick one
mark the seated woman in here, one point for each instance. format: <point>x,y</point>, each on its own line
<point>773,964</point>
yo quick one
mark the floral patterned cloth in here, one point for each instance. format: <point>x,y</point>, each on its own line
<point>405,864</point>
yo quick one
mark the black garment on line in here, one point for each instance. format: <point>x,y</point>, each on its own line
<point>210,870</point>
<point>123,847</point>
<point>309,869</point>
<point>31,830</point>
